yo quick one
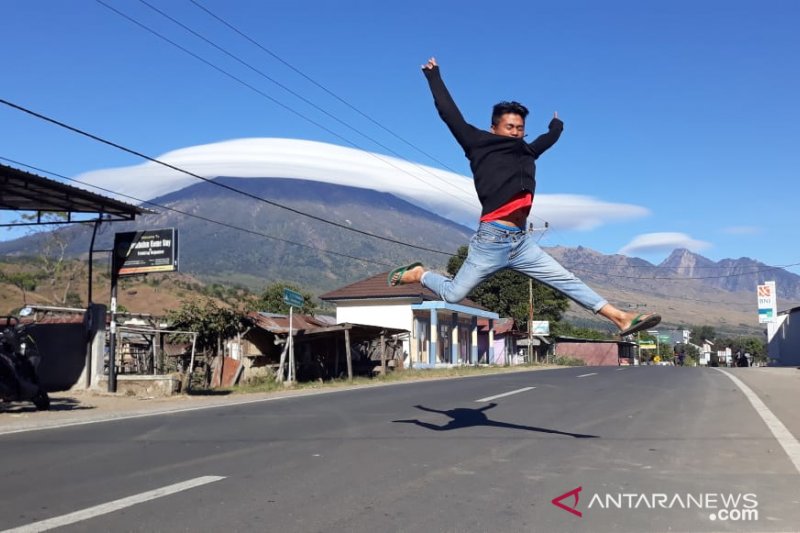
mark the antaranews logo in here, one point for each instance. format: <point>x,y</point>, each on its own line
<point>737,507</point>
<point>574,493</point>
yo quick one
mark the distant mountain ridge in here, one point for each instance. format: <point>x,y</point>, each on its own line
<point>684,266</point>
<point>223,254</point>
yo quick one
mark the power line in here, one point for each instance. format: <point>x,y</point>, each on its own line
<point>325,89</point>
<point>317,84</point>
<point>213,182</point>
<point>274,100</point>
<point>720,276</point>
<point>206,219</point>
<point>304,99</point>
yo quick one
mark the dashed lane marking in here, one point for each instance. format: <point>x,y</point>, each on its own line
<point>110,507</point>
<point>490,398</point>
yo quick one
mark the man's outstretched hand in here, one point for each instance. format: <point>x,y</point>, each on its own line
<point>430,64</point>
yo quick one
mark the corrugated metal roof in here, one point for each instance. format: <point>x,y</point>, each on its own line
<point>280,323</point>
<point>501,325</point>
<point>24,191</point>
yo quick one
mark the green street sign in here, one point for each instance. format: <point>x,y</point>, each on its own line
<point>292,298</point>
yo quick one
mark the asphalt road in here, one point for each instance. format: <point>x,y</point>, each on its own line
<point>632,449</point>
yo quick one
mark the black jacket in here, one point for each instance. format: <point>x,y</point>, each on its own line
<point>501,166</point>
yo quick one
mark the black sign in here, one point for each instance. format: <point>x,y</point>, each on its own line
<point>141,252</point>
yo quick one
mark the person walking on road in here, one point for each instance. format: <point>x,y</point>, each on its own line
<point>504,169</point>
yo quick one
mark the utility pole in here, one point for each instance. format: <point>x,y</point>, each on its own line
<point>530,312</point>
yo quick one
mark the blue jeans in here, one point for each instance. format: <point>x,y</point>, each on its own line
<point>495,247</point>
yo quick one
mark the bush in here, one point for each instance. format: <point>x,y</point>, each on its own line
<point>569,361</point>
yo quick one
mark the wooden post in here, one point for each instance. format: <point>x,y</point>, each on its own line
<point>349,355</point>
<point>191,364</point>
<point>283,359</point>
<point>383,354</point>
<point>336,360</point>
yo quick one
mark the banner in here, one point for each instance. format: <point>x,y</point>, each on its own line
<point>767,302</point>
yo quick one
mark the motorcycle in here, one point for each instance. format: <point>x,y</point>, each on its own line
<point>19,359</point>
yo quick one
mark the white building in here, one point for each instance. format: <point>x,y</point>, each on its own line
<point>783,338</point>
<point>440,332</point>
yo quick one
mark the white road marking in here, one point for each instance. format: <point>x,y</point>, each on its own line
<point>621,369</point>
<point>586,375</point>
<point>490,398</point>
<point>110,507</point>
<point>782,435</point>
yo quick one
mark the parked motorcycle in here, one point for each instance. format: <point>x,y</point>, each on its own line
<point>19,359</point>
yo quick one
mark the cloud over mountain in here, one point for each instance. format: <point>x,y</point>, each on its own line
<point>660,242</point>
<point>445,193</point>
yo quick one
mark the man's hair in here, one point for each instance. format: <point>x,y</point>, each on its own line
<point>502,108</point>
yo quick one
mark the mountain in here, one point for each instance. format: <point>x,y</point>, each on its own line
<point>280,245</point>
<point>266,251</point>
<point>732,274</point>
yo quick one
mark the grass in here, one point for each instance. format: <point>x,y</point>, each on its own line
<point>270,385</point>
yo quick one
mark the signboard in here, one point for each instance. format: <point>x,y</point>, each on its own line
<point>767,302</point>
<point>292,298</point>
<point>540,327</point>
<point>142,252</point>
<point>664,338</point>
<point>647,346</point>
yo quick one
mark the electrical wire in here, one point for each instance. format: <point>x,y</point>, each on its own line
<point>274,100</point>
<point>306,100</point>
<point>211,181</point>
<point>720,276</point>
<point>325,89</point>
<point>199,217</point>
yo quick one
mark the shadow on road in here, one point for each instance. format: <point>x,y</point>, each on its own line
<point>463,418</point>
<point>56,404</point>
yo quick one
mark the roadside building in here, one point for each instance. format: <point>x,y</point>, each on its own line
<point>783,341</point>
<point>440,333</point>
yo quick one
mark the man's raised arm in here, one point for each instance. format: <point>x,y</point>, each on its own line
<point>445,104</point>
<point>546,140</point>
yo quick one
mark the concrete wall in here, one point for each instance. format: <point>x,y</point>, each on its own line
<point>62,348</point>
<point>594,354</point>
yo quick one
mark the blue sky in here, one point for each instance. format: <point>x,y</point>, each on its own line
<point>686,111</point>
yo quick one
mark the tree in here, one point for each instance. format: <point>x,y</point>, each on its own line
<point>52,253</point>
<point>24,281</point>
<point>507,293</point>
<point>271,300</point>
<point>212,323</point>
<point>755,346</point>
<point>566,329</point>
<point>700,333</point>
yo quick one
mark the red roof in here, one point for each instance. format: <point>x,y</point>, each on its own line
<point>375,288</point>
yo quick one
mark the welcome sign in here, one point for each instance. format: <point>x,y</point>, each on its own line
<point>141,252</point>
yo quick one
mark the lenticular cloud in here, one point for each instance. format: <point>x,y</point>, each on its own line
<point>445,193</point>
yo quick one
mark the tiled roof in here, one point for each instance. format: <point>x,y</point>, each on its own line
<point>375,288</point>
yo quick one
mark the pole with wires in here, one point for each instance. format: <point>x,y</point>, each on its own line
<point>530,313</point>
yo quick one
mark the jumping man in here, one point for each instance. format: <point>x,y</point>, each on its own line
<point>503,166</point>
